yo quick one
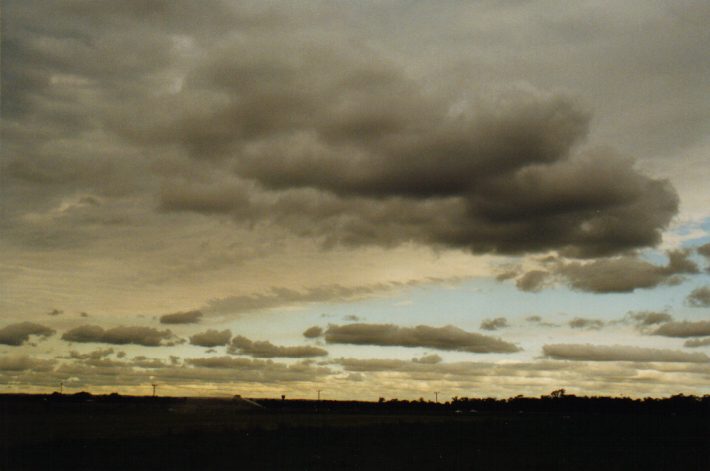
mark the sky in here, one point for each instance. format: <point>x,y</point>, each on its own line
<point>372,199</point>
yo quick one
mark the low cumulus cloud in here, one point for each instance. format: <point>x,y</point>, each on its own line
<point>428,359</point>
<point>145,336</point>
<point>532,281</point>
<point>211,338</point>
<point>622,274</point>
<point>187,317</point>
<point>17,334</point>
<point>587,352</point>
<point>699,297</point>
<point>441,338</point>
<point>55,312</point>
<point>313,332</point>
<point>684,329</point>
<point>583,323</point>
<point>264,349</point>
<point>494,324</point>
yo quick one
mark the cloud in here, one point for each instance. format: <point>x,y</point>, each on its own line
<point>704,250</point>
<point>279,297</point>
<point>582,323</point>
<point>494,324</point>
<point>55,312</point>
<point>589,352</point>
<point>684,329</point>
<point>532,281</point>
<point>146,336</point>
<point>18,334</point>
<point>264,349</point>
<point>188,317</point>
<point>699,297</point>
<point>313,332</point>
<point>648,318</point>
<point>428,359</point>
<point>246,369</point>
<point>24,363</point>
<point>625,274</point>
<point>95,355</point>
<point>694,343</point>
<point>442,338</point>
<point>211,338</point>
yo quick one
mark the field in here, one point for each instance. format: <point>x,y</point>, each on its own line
<point>44,432</point>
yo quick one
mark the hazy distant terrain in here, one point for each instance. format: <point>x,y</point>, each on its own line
<point>104,432</point>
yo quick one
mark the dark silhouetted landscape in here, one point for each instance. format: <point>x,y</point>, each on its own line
<point>557,431</point>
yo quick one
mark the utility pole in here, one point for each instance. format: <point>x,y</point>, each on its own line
<point>319,395</point>
<point>436,395</point>
<point>154,386</point>
<point>61,387</point>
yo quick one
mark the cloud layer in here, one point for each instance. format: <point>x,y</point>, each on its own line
<point>146,336</point>
<point>589,352</point>
<point>442,338</point>
<point>18,334</point>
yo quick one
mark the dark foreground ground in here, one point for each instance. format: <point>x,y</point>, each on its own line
<point>46,433</point>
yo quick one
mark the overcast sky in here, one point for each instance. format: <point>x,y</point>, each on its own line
<point>484,198</point>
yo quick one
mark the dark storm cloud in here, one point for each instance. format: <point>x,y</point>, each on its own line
<point>264,349</point>
<point>699,297</point>
<point>684,329</point>
<point>441,338</point>
<point>211,338</point>
<point>18,334</point>
<point>308,131</point>
<point>188,317</point>
<point>146,336</point>
<point>582,323</point>
<point>313,332</point>
<point>589,352</point>
<point>494,324</point>
<point>347,148</point>
<point>622,274</point>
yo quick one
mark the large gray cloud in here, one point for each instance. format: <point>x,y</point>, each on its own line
<point>187,317</point>
<point>442,338</point>
<point>211,338</point>
<point>263,349</point>
<point>18,334</point>
<point>121,335</point>
<point>699,297</point>
<point>589,352</point>
<point>684,329</point>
